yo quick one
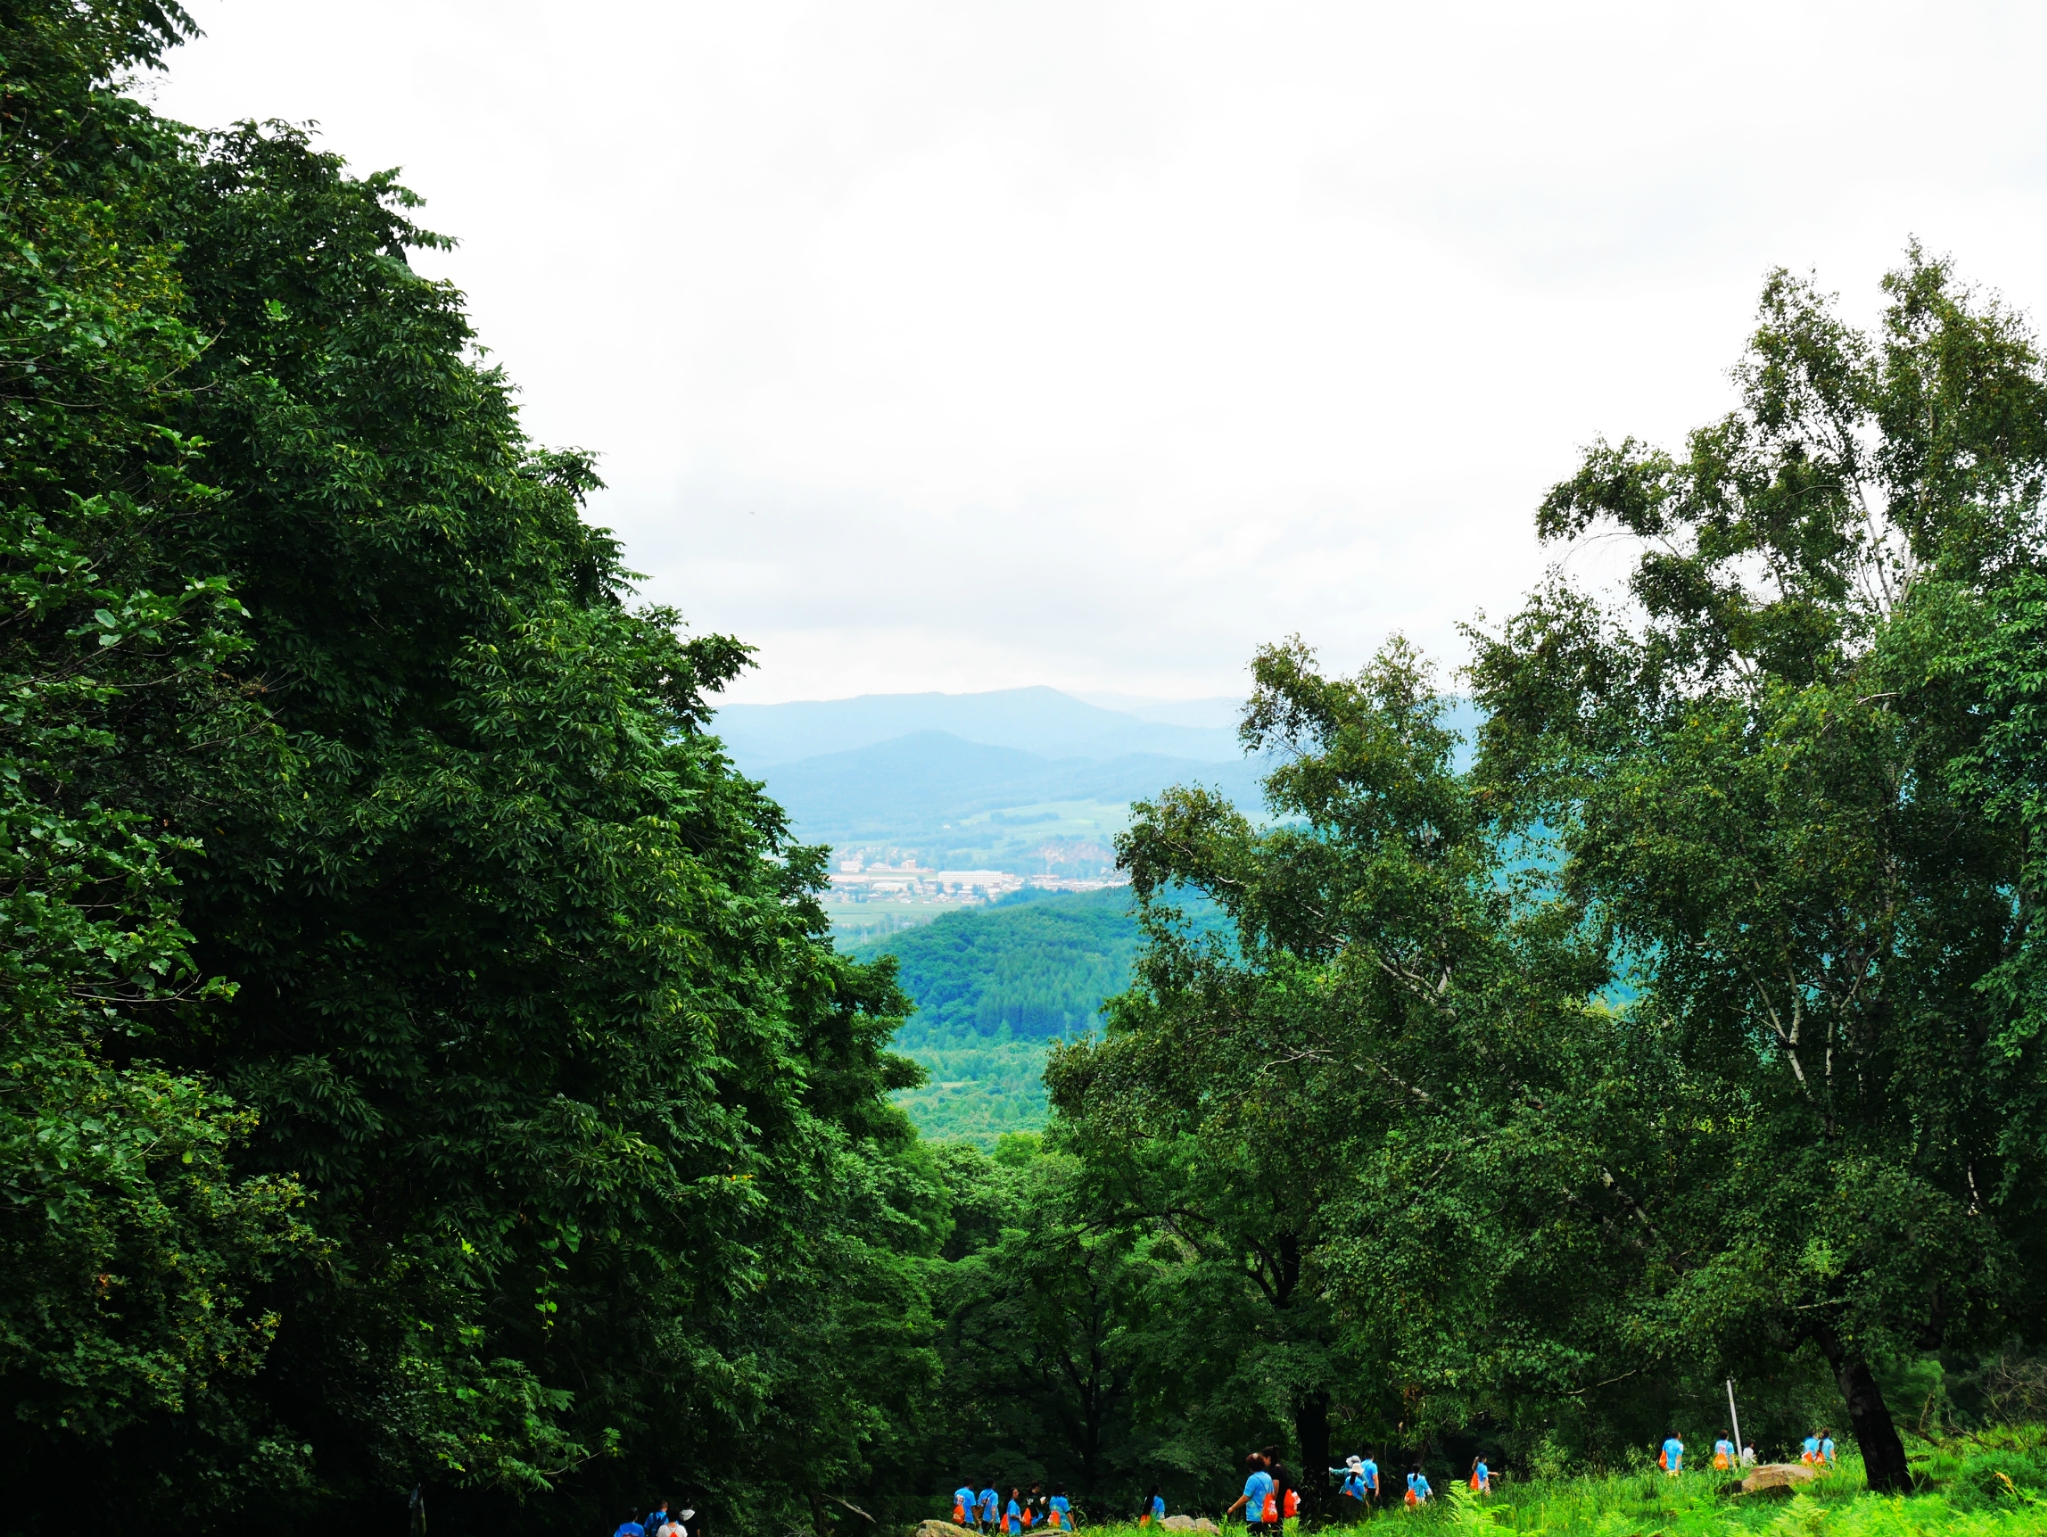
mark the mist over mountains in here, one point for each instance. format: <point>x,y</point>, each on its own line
<point>1041,721</point>
<point>1030,780</point>
<point>922,784</point>
<point>1026,779</point>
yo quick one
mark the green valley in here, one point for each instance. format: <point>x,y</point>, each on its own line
<point>993,987</point>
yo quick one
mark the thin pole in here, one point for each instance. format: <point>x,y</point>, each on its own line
<point>1734,1415</point>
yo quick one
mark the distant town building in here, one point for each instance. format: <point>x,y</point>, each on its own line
<point>854,882</point>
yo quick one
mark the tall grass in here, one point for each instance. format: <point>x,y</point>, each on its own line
<point>1989,1485</point>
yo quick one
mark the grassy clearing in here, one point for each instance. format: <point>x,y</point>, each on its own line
<point>1989,1485</point>
<point>977,1093</point>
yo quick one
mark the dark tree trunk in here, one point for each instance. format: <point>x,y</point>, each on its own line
<point>1883,1453</point>
<point>1311,1434</point>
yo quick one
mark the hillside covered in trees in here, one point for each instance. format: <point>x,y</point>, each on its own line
<point>427,1065</point>
<point>1035,966</point>
<point>991,989</point>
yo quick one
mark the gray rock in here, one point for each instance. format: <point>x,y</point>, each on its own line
<point>1776,1475</point>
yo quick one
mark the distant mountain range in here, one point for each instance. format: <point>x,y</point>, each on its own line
<point>1022,779</point>
<point>1025,779</point>
<point>932,787</point>
<point>1034,720</point>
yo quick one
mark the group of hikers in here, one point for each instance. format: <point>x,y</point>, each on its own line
<point>1025,1511</point>
<point>1359,1481</point>
<point>1816,1451</point>
<point>1270,1498</point>
<point>658,1522</point>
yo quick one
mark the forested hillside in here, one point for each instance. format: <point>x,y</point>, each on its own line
<point>991,988</point>
<point>429,1076</point>
<point>1032,967</point>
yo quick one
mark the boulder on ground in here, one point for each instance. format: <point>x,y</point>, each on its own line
<point>941,1529</point>
<point>1776,1475</point>
<point>1188,1524</point>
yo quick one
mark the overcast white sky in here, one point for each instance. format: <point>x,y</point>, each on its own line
<point>968,345</point>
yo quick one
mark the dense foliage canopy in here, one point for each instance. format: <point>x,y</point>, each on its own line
<point>1694,1030</point>
<point>1031,967</point>
<point>426,1059</point>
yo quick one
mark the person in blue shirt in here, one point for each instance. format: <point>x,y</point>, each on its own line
<point>1809,1450</point>
<point>1353,1485</point>
<point>1257,1489</point>
<point>1481,1477</point>
<point>963,1505</point>
<point>630,1528</point>
<point>1418,1490</point>
<point>1012,1516</point>
<point>1061,1516</point>
<point>989,1500</point>
<point>1673,1454</point>
<point>1827,1447</point>
<point>1368,1474</point>
<point>1154,1507</point>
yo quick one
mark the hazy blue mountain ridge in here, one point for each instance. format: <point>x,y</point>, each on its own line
<point>916,785</point>
<point>1029,780</point>
<point>1043,721</point>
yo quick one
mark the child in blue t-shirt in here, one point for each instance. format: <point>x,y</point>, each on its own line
<point>1012,1518</point>
<point>1061,1517</point>
<point>1481,1477</point>
<point>963,1505</point>
<point>1673,1454</point>
<point>988,1502</point>
<point>1154,1507</point>
<point>1418,1490</point>
<point>1827,1448</point>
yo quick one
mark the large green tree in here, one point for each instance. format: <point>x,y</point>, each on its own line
<point>1046,1330</point>
<point>133,1255</point>
<point>1372,1115</point>
<point>534,990</point>
<point>1761,769</point>
<point>325,688</point>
